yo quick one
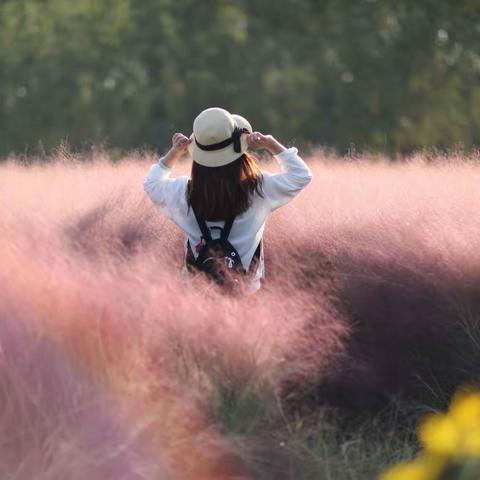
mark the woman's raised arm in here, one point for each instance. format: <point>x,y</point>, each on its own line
<point>168,193</point>
<point>281,187</point>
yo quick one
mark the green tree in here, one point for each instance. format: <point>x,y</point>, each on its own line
<point>384,76</point>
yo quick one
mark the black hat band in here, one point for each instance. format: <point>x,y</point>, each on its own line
<point>235,139</point>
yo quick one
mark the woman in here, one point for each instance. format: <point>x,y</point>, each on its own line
<point>225,186</point>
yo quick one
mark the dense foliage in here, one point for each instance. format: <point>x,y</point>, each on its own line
<point>369,74</point>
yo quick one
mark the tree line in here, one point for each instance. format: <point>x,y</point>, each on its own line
<point>371,75</point>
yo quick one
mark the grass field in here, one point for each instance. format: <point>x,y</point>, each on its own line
<point>113,368</point>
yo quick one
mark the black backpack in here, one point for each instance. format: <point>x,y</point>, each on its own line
<point>218,258</point>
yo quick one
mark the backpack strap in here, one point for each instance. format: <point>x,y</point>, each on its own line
<point>189,257</point>
<point>203,226</point>
<point>206,232</point>
<point>227,228</point>
<point>256,257</point>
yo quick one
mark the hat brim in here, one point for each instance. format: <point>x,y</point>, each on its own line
<point>219,158</point>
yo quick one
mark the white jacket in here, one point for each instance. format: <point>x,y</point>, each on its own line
<point>247,231</point>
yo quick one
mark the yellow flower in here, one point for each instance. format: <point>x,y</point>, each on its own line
<point>440,435</point>
<point>465,409</point>
<point>423,468</point>
<point>456,433</point>
<point>448,439</point>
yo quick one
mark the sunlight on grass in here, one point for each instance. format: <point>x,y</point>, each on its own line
<point>111,365</point>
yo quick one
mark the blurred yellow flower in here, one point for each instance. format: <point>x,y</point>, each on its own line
<point>450,440</point>
<point>456,433</point>
<point>465,408</point>
<point>439,434</point>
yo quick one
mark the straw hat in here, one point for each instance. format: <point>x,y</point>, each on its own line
<point>219,137</point>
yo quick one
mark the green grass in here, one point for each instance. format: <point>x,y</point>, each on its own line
<point>327,444</point>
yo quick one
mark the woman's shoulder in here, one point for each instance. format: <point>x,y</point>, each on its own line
<point>265,174</point>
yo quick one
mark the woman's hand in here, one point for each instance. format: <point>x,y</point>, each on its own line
<point>179,147</point>
<point>180,143</point>
<point>257,140</point>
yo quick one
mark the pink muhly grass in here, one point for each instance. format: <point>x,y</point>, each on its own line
<point>110,362</point>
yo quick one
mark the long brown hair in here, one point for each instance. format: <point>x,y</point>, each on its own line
<point>218,193</point>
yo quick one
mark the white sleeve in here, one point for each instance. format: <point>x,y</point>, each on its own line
<point>280,188</point>
<point>168,193</point>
